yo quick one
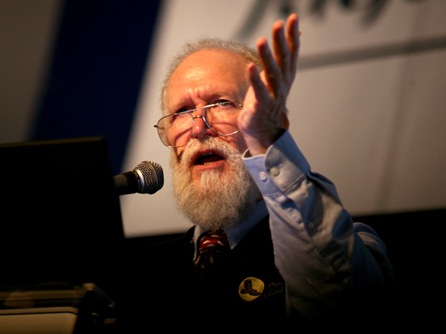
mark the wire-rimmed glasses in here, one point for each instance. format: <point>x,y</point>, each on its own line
<point>175,129</point>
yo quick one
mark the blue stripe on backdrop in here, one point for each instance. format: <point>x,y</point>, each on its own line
<point>96,72</point>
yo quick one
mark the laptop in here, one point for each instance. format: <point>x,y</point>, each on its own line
<point>60,216</point>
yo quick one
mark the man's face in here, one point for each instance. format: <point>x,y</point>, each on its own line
<point>206,77</point>
<point>211,183</point>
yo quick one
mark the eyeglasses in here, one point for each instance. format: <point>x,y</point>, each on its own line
<point>175,129</point>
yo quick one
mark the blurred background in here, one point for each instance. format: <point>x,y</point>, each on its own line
<point>368,107</point>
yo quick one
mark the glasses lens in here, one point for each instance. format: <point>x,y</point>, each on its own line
<point>221,117</point>
<point>175,130</point>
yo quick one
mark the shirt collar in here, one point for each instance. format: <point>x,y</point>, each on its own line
<point>237,232</point>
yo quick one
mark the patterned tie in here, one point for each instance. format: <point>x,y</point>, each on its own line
<point>212,245</point>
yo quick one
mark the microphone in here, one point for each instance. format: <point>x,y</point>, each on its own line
<point>146,178</point>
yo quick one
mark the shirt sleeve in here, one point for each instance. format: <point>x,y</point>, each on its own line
<point>321,254</point>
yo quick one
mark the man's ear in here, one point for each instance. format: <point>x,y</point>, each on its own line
<point>285,121</point>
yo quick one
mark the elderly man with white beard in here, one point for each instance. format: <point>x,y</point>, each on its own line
<point>291,257</point>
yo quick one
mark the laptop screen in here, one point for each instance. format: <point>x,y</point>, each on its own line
<point>60,216</point>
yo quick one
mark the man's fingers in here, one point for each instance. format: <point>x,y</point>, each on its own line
<point>293,39</point>
<point>272,71</point>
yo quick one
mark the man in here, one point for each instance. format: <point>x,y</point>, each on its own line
<point>295,259</point>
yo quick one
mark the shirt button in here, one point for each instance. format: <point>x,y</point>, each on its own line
<point>275,171</point>
<point>263,176</point>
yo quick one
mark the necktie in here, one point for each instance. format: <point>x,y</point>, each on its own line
<point>211,246</point>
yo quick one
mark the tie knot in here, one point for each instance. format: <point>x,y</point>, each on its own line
<point>211,245</point>
<point>213,241</point>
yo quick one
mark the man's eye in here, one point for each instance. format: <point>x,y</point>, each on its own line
<point>224,103</point>
<point>182,110</point>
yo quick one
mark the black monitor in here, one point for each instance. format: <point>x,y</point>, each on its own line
<point>60,216</point>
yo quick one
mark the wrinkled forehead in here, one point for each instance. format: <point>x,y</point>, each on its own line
<point>207,72</point>
<point>209,63</point>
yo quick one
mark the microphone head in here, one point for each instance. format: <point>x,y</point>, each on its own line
<point>152,176</point>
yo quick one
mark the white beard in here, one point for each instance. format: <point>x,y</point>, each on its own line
<point>217,200</point>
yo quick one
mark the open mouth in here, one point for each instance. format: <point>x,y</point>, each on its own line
<point>208,157</point>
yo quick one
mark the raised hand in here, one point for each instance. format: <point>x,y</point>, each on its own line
<point>264,115</point>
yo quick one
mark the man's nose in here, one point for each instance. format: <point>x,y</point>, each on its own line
<point>199,127</point>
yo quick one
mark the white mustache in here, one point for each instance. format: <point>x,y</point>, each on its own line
<point>209,143</point>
